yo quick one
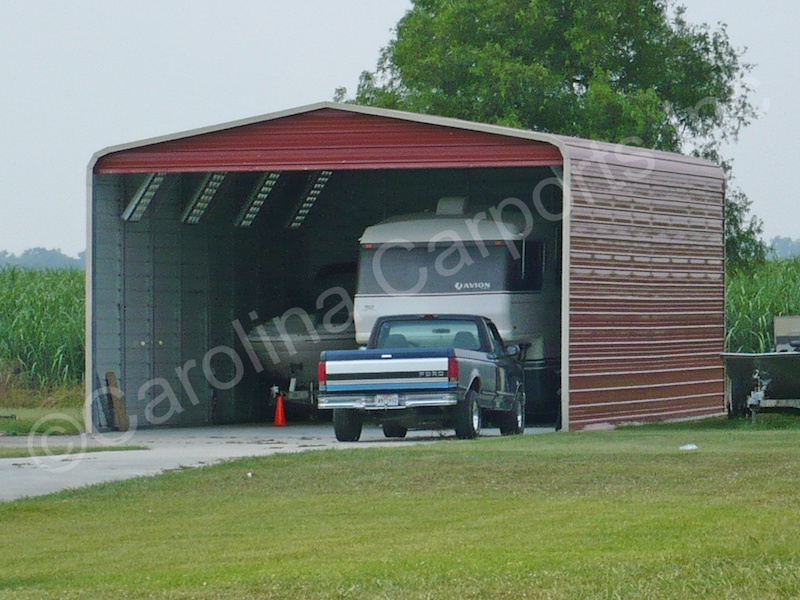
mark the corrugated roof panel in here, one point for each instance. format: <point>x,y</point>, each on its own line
<point>330,139</point>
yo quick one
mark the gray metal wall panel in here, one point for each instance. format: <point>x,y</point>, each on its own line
<point>167,307</point>
<point>194,345</point>
<point>197,392</point>
<point>221,314</point>
<point>153,301</point>
<point>137,317</point>
<point>106,284</point>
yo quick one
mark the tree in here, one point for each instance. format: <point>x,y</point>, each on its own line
<point>42,258</point>
<point>744,245</point>
<point>609,70</point>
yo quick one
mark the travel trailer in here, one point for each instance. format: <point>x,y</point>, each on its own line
<point>501,263</point>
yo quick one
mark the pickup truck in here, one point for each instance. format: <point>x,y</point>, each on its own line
<point>425,371</point>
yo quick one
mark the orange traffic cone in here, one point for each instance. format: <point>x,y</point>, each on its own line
<point>280,416</point>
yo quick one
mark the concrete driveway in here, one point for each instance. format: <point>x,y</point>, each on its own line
<point>168,449</point>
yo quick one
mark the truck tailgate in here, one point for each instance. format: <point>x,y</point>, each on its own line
<point>390,371</point>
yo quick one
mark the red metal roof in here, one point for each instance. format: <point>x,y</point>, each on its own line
<point>330,138</point>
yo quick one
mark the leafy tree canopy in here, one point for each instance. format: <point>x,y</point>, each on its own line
<point>609,70</point>
<point>630,71</point>
<point>744,244</point>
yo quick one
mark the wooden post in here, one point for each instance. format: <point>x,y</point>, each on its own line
<point>119,413</point>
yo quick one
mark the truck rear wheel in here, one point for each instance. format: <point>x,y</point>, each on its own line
<point>513,421</point>
<point>468,417</point>
<point>347,424</point>
<point>393,430</point>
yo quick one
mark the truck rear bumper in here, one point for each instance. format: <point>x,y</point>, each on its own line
<point>387,401</point>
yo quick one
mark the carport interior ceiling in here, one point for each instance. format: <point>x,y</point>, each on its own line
<point>181,256</point>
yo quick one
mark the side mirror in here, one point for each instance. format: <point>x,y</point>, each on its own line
<point>512,350</point>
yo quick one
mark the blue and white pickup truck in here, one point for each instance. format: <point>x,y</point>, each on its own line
<point>425,371</point>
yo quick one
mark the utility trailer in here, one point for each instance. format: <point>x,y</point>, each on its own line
<point>768,381</point>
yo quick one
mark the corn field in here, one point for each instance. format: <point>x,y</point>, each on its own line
<point>41,326</point>
<point>42,318</point>
<point>754,297</point>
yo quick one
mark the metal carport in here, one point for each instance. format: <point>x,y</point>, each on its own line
<point>180,257</point>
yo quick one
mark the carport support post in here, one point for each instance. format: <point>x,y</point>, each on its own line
<point>566,211</point>
<point>88,376</point>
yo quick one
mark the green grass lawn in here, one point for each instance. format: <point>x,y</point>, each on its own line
<point>51,421</point>
<point>618,514</point>
<point>22,409</point>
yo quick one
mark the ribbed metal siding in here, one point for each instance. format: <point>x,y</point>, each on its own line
<point>105,306</point>
<point>646,289</point>
<point>330,139</point>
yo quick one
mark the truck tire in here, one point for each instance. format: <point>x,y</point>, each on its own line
<point>393,430</point>
<point>513,421</point>
<point>468,417</point>
<point>347,424</point>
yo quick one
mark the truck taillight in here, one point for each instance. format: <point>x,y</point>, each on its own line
<point>322,373</point>
<point>452,369</point>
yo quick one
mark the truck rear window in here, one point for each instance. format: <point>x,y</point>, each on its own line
<point>433,333</point>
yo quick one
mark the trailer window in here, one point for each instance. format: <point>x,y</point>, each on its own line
<point>443,268</point>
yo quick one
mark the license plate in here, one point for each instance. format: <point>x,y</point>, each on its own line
<point>387,400</point>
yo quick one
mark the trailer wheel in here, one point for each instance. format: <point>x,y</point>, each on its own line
<point>737,402</point>
<point>393,430</point>
<point>468,417</point>
<point>513,421</point>
<point>347,424</point>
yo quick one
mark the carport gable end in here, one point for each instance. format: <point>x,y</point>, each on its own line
<point>192,232</point>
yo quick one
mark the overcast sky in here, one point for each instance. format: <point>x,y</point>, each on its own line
<point>77,76</point>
